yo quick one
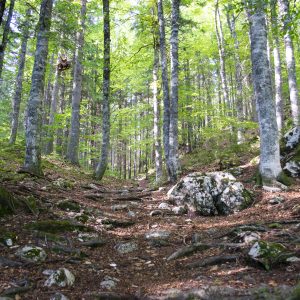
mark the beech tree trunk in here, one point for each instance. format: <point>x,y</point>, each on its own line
<point>73,144</point>
<point>270,168</point>
<point>5,35</point>
<point>174,164</point>
<point>290,59</point>
<point>156,116</point>
<point>53,111</point>
<point>238,77</point>
<point>19,82</point>
<point>100,170</point>
<point>165,82</point>
<point>33,121</point>
<point>220,39</point>
<point>277,68</point>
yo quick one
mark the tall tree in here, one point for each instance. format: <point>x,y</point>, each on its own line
<point>5,35</point>
<point>100,170</point>
<point>221,47</point>
<point>2,9</point>
<point>277,67</point>
<point>19,80</point>
<point>32,162</point>
<point>270,168</point>
<point>73,144</point>
<point>174,164</point>
<point>165,82</point>
<point>290,59</point>
<point>231,18</point>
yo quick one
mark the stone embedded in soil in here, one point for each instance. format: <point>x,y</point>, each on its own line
<point>61,277</point>
<point>292,168</point>
<point>109,283</point>
<point>179,210</point>
<point>165,206</point>
<point>59,296</point>
<point>276,200</point>
<point>248,237</point>
<point>94,243</point>
<point>158,235</point>
<point>124,248</point>
<point>269,254</point>
<point>32,254</point>
<point>210,194</point>
<point>69,205</point>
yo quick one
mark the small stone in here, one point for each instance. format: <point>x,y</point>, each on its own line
<point>159,234</point>
<point>155,213</point>
<point>248,237</point>
<point>8,242</point>
<point>32,254</point>
<point>293,259</point>
<point>118,207</point>
<point>48,272</point>
<point>179,210</point>
<point>126,247</point>
<point>164,205</point>
<point>59,296</point>
<point>131,214</point>
<point>108,283</point>
<point>276,200</point>
<point>61,277</point>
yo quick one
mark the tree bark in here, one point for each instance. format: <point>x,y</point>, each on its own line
<point>290,59</point>
<point>165,82</point>
<point>100,170</point>
<point>277,68</point>
<point>270,168</point>
<point>5,35</point>
<point>33,121</point>
<point>174,164</point>
<point>238,77</point>
<point>53,111</point>
<point>220,39</point>
<point>73,144</point>
<point>19,82</point>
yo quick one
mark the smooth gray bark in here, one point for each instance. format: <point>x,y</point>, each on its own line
<point>73,144</point>
<point>19,82</point>
<point>174,163</point>
<point>189,109</point>
<point>277,68</point>
<point>53,111</point>
<point>270,168</point>
<point>220,39</point>
<point>100,170</point>
<point>165,82</point>
<point>156,116</point>
<point>33,121</point>
<point>5,35</point>
<point>290,59</point>
<point>238,77</point>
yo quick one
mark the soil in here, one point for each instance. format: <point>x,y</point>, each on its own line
<point>144,273</point>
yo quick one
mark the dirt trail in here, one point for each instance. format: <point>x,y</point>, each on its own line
<point>121,218</point>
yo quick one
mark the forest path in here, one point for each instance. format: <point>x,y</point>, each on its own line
<point>125,250</point>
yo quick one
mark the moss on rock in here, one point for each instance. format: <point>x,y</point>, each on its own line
<point>69,205</point>
<point>56,226</point>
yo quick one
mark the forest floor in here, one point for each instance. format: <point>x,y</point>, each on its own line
<point>118,216</point>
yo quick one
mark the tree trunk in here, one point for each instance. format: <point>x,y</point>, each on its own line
<point>165,82</point>
<point>238,77</point>
<point>270,168</point>
<point>290,59</point>
<point>2,8</point>
<point>100,170</point>
<point>19,82</point>
<point>156,116</point>
<point>174,164</point>
<point>277,68</point>
<point>189,109</point>
<point>60,131</point>
<point>220,39</point>
<point>73,144</point>
<point>5,35</point>
<point>33,121</point>
<point>53,111</point>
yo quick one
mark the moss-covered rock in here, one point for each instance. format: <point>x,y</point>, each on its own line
<point>56,226</point>
<point>69,205</point>
<point>7,238</point>
<point>32,254</point>
<point>83,218</point>
<point>296,293</point>
<point>63,183</point>
<point>269,254</point>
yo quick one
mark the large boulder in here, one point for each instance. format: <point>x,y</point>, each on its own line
<point>208,194</point>
<point>292,138</point>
